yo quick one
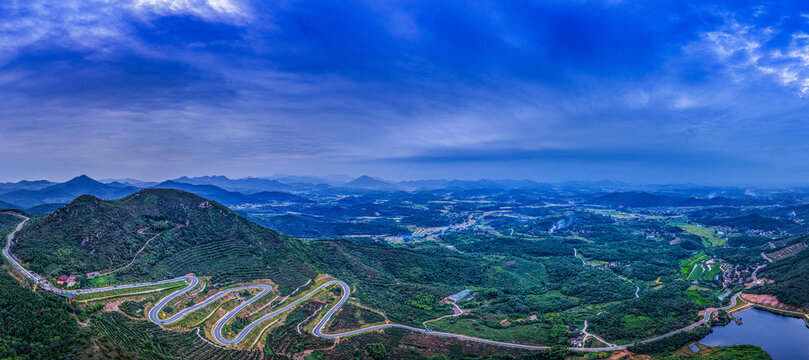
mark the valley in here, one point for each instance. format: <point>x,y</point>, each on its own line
<point>541,273</point>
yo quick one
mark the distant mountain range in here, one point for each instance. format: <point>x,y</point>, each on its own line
<point>331,180</point>
<point>33,197</point>
<point>246,185</point>
<point>212,192</point>
<point>43,196</point>
<point>66,192</point>
<point>129,181</point>
<point>25,185</point>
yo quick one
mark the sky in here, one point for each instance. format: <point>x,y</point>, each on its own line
<point>639,91</point>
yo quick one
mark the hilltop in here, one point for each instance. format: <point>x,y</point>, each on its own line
<point>185,234</point>
<point>367,182</point>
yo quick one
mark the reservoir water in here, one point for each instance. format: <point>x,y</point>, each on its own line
<point>784,338</point>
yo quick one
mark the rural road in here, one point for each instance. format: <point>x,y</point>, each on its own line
<point>193,281</point>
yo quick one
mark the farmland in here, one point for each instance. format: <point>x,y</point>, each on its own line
<point>708,235</point>
<point>700,267</point>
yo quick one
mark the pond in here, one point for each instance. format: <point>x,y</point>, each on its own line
<point>784,338</point>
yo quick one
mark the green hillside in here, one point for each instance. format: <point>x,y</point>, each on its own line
<point>790,284</point>
<point>189,234</point>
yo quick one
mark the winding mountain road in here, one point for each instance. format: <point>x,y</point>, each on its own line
<point>216,331</point>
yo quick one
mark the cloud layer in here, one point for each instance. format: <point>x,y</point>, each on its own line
<point>692,91</point>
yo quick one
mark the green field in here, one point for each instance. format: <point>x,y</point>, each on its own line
<point>687,264</point>
<point>708,235</point>
<point>699,267</point>
<point>99,281</point>
<point>697,297</point>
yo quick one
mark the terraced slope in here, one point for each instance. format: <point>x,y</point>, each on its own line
<point>144,340</point>
<point>185,234</point>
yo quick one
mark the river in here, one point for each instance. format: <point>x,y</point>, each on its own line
<point>784,338</point>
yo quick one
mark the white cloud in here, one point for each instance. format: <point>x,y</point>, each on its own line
<point>746,47</point>
<point>217,10</point>
<point>99,25</point>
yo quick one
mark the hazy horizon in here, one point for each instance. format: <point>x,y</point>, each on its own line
<point>337,179</point>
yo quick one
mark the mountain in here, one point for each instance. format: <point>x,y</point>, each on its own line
<point>129,182</point>
<point>24,185</point>
<point>212,192</point>
<point>246,185</point>
<point>367,182</point>
<point>67,191</point>
<point>468,184</point>
<point>5,205</point>
<point>332,180</point>
<point>45,208</point>
<point>196,236</point>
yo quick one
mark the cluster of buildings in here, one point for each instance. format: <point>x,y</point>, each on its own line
<point>652,232</point>
<point>67,280</point>
<point>73,280</point>
<point>610,265</point>
<point>760,232</point>
<point>578,337</point>
<point>721,230</point>
<point>735,275</point>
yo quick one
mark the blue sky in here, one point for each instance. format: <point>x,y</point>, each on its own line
<point>646,92</point>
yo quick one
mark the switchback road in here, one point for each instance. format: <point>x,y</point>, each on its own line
<point>193,281</point>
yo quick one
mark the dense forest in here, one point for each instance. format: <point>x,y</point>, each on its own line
<point>36,325</point>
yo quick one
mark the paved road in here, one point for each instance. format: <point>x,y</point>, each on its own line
<point>193,281</point>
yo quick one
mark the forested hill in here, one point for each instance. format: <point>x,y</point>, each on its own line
<point>189,234</point>
<point>790,275</point>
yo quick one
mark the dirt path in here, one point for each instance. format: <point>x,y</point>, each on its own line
<point>459,313</point>
<point>587,334</point>
<point>133,258</point>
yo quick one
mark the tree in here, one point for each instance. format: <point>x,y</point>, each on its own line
<point>377,350</point>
